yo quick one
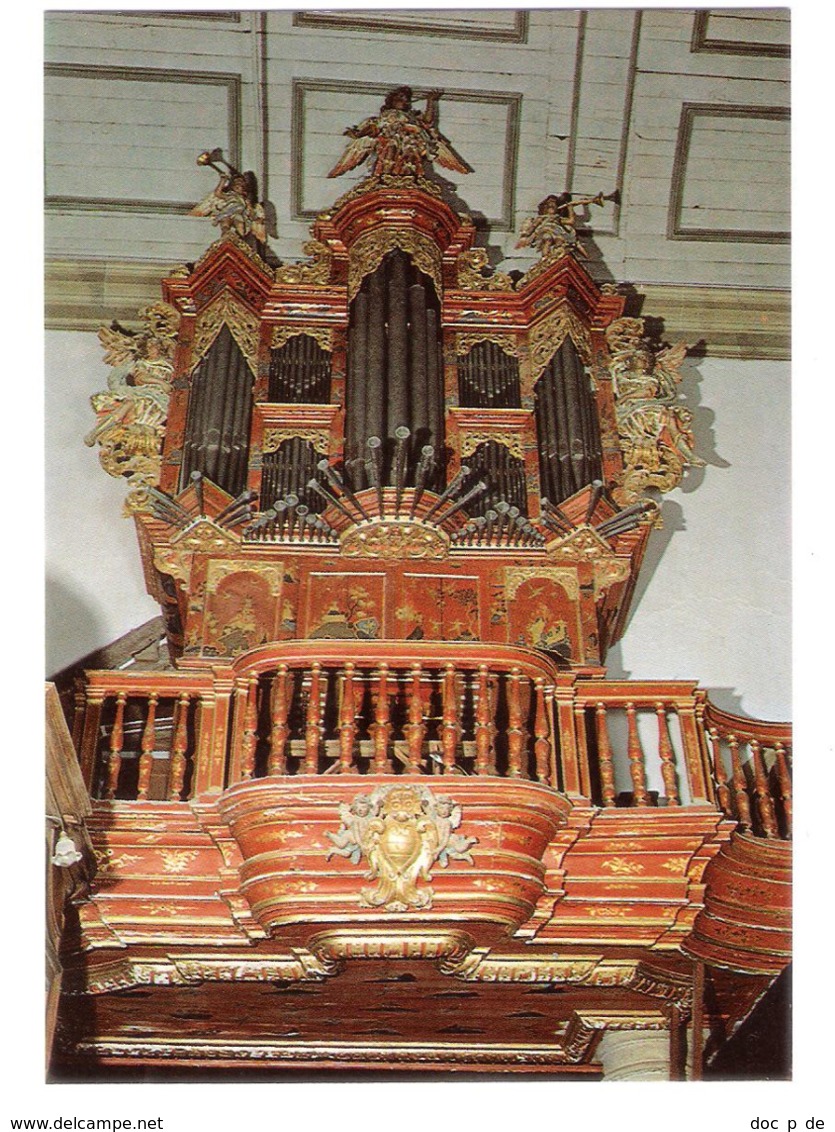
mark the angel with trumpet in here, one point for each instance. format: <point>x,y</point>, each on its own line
<point>233,203</point>
<point>554,228</point>
<point>399,139</point>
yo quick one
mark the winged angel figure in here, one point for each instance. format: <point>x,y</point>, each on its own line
<point>656,433</point>
<point>399,139</point>
<point>402,831</point>
<point>132,413</point>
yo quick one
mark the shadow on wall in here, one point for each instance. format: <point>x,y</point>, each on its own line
<point>65,611</point>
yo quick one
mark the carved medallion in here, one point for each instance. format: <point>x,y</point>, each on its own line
<point>394,539</point>
<point>402,831</point>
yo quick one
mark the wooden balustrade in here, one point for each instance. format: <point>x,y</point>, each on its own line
<point>750,763</point>
<point>357,707</point>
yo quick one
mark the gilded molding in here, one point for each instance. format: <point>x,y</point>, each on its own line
<point>349,943</point>
<point>243,325</point>
<point>322,334</point>
<point>548,335</point>
<point>369,250</point>
<point>466,339</point>
<point>275,437</point>
<point>584,1027</point>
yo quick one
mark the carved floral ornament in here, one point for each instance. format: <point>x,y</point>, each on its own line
<point>475,437</point>
<point>370,249</point>
<point>548,335</point>
<point>315,274</point>
<point>275,437</point>
<point>394,539</point>
<point>465,340</point>
<point>242,324</point>
<point>402,831</point>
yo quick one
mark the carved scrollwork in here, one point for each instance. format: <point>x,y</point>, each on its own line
<point>222,568</point>
<point>465,340</point>
<point>316,273</point>
<point>369,250</point>
<point>474,437</point>
<point>549,334</point>
<point>275,437</point>
<point>321,334</point>
<point>243,325</point>
<point>515,576</point>
<point>476,274</point>
<point>655,432</point>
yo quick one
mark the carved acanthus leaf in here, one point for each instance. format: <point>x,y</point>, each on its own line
<point>549,334</point>
<point>242,324</point>
<point>370,249</point>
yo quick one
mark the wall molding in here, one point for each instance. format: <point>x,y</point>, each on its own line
<point>232,84</point>
<point>85,294</point>
<point>517,32</point>
<point>690,112</point>
<point>701,41</point>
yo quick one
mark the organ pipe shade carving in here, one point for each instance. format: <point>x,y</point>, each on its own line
<point>568,434</point>
<point>504,475</point>
<point>300,372</point>
<point>395,374</point>
<point>488,378</point>
<point>219,411</point>
<point>287,471</point>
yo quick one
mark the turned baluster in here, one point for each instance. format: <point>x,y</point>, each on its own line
<point>417,723</point>
<point>762,793</point>
<point>177,771</point>
<point>117,738</point>
<point>720,775</point>
<point>541,746</point>
<point>147,746</point>
<point>485,754</point>
<point>313,727</point>
<point>740,785</point>
<point>784,782</point>
<point>636,759</point>
<point>279,731</point>
<point>515,719</point>
<point>250,739</point>
<point>381,728</point>
<point>347,721</point>
<point>449,719</point>
<point>667,757</point>
<point>604,756</point>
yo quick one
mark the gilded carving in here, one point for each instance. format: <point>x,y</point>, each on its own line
<point>447,947</point>
<point>474,437</point>
<point>275,437</point>
<point>548,335</point>
<point>131,415</point>
<point>466,339</point>
<point>584,543</point>
<point>515,576</point>
<point>314,274</point>
<point>322,334</point>
<point>476,274</point>
<point>402,831</point>
<point>655,431</point>
<point>394,539</point>
<point>205,537</point>
<point>219,569</point>
<point>370,249</point>
<point>242,325</point>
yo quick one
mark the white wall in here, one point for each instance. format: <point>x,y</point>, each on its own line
<point>712,602</point>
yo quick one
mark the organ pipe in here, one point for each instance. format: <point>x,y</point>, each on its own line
<point>568,434</point>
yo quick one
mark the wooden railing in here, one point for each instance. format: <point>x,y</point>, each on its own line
<point>751,768</point>
<point>359,707</point>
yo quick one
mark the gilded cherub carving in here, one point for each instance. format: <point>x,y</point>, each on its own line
<point>399,139</point>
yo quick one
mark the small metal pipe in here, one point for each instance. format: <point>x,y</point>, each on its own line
<point>374,467</point>
<point>449,492</point>
<point>477,489</point>
<point>401,435</point>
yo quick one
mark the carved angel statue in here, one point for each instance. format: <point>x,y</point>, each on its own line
<point>655,433</point>
<point>399,139</point>
<point>553,231</point>
<point>132,413</point>
<point>233,203</point>
<point>402,831</point>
